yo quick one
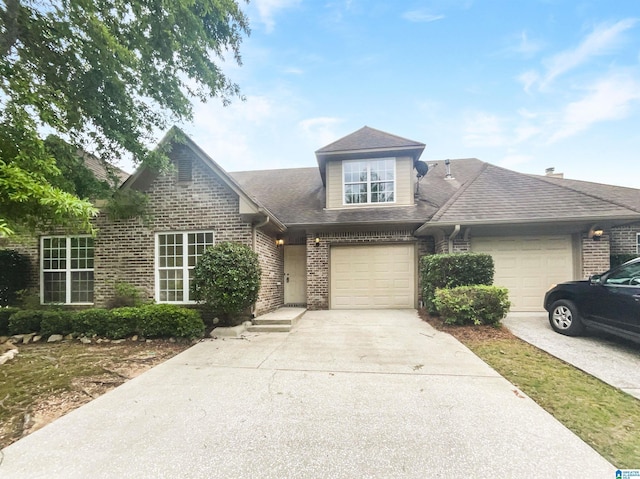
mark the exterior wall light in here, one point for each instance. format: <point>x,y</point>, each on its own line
<point>317,241</point>
<point>595,233</point>
<point>279,242</point>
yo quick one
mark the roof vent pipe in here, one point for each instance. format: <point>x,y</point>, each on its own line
<point>448,176</point>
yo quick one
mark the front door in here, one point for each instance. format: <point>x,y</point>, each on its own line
<point>295,274</point>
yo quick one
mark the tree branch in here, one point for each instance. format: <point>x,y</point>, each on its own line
<point>9,18</point>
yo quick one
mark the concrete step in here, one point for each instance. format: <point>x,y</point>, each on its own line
<point>267,321</point>
<point>269,328</point>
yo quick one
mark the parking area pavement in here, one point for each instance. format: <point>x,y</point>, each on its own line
<point>366,394</point>
<point>612,360</point>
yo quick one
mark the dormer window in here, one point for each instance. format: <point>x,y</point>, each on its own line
<point>369,181</point>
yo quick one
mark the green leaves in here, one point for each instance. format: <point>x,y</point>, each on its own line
<point>227,278</point>
<point>105,75</point>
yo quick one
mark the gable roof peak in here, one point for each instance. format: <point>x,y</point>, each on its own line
<point>367,138</point>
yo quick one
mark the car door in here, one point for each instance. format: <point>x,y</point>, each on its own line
<point>615,301</point>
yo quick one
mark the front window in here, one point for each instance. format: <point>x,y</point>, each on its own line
<point>369,181</point>
<point>176,257</point>
<point>67,269</point>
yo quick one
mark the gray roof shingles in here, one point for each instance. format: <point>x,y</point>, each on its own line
<point>479,192</point>
<point>367,138</point>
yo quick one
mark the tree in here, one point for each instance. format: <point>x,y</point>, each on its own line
<point>105,75</point>
<point>227,279</point>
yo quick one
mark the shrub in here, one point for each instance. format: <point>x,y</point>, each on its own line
<point>126,294</point>
<point>14,275</point>
<point>25,321</point>
<point>480,304</point>
<point>5,314</point>
<point>56,322</point>
<point>91,322</point>
<point>227,279</point>
<point>618,259</point>
<point>165,320</point>
<point>121,322</point>
<point>452,270</point>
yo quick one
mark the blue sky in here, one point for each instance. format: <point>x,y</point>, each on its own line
<point>521,84</point>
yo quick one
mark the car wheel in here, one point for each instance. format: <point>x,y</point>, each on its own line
<point>565,319</point>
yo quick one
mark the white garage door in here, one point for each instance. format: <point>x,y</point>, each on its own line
<point>528,266</point>
<point>372,277</point>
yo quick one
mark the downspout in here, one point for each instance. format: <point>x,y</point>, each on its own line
<point>456,230</point>
<point>254,234</point>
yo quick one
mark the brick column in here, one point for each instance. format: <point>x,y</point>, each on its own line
<point>595,255</point>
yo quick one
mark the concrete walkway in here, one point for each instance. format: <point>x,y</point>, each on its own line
<point>366,394</point>
<point>614,361</point>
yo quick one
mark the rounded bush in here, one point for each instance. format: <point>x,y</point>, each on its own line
<point>90,322</point>
<point>479,304</point>
<point>5,314</point>
<point>227,278</point>
<point>56,322</point>
<point>25,321</point>
<point>121,322</point>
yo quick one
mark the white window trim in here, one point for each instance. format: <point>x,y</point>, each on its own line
<point>68,270</point>
<point>369,203</point>
<point>185,263</point>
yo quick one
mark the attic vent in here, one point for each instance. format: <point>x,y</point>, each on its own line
<point>185,167</point>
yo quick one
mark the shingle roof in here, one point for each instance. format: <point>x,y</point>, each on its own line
<point>478,193</point>
<point>500,195</point>
<point>297,196</point>
<point>100,170</point>
<point>367,138</point>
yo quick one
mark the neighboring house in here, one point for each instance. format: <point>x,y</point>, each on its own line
<point>348,233</point>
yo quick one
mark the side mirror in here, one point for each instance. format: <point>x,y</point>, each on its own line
<point>595,279</point>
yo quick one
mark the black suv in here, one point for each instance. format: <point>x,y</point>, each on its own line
<point>608,302</point>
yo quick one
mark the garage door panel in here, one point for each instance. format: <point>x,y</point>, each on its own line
<point>528,266</point>
<point>381,276</point>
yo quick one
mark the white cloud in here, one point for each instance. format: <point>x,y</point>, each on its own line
<point>267,10</point>
<point>421,16</point>
<point>525,45</point>
<point>320,130</point>
<point>483,130</point>
<point>602,40</point>
<point>294,71</point>
<point>528,79</point>
<point>610,98</point>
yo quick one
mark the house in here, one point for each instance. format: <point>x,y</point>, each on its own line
<point>347,233</point>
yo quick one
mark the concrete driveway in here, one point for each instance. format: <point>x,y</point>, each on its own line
<point>612,360</point>
<point>366,394</point>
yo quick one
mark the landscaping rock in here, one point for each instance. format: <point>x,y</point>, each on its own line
<point>55,338</point>
<point>36,339</point>
<point>84,340</point>
<point>117,341</point>
<point>27,338</point>
<point>69,336</point>
<point>134,337</point>
<point>8,355</point>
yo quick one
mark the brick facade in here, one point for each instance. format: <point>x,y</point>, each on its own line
<point>272,263</point>
<point>624,239</point>
<point>595,255</point>
<point>318,257</point>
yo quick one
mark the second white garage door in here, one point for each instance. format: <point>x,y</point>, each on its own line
<point>372,277</point>
<point>528,266</point>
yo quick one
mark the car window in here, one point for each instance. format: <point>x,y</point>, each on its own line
<point>626,275</point>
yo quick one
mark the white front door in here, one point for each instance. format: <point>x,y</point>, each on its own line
<point>295,274</point>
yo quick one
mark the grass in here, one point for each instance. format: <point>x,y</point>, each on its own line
<point>65,375</point>
<point>603,416</point>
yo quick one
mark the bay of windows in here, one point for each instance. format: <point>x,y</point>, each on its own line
<point>369,181</point>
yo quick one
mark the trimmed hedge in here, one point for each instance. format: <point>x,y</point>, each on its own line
<point>14,275</point>
<point>479,304</point>
<point>151,321</point>
<point>5,314</point>
<point>453,270</point>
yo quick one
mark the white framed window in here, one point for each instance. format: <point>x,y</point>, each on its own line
<point>66,268</point>
<point>637,243</point>
<point>176,257</point>
<point>369,181</point>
